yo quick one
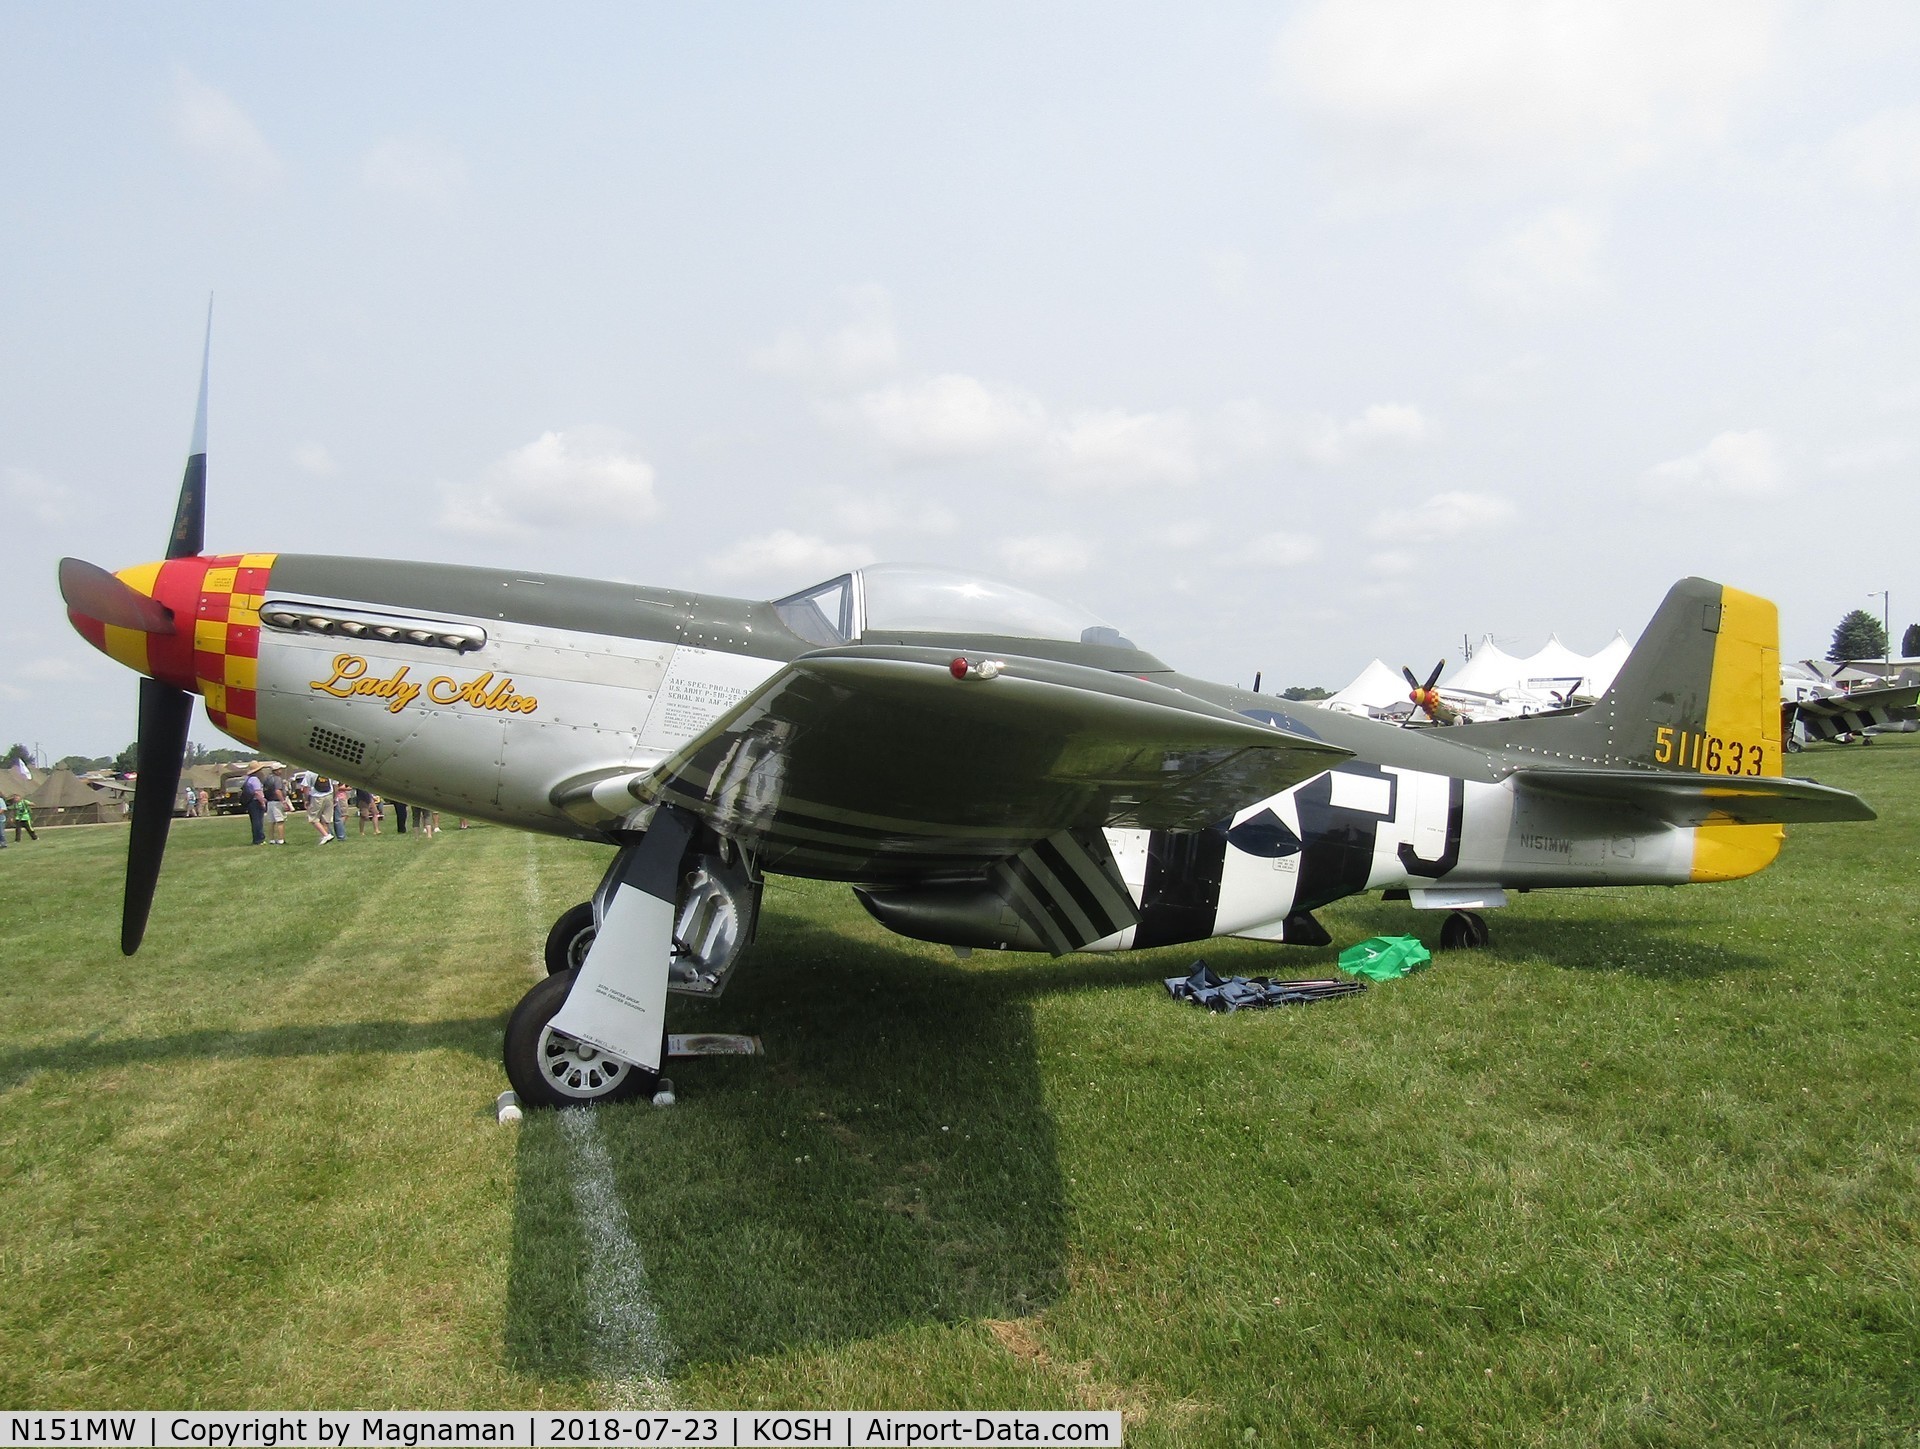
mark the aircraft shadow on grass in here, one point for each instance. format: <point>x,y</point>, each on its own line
<point>1668,947</point>
<point>891,1161</point>
<point>479,1035</point>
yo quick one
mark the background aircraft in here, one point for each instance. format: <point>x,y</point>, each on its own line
<point>987,768</point>
<point>1813,710</point>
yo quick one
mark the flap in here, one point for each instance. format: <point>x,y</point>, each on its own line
<point>1688,799</point>
<point>875,763</point>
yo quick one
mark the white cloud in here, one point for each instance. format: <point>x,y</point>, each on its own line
<point>313,458</point>
<point>590,477</point>
<point>1189,533</point>
<point>1883,153</point>
<point>1516,380</point>
<point>1872,457</point>
<point>1276,550</point>
<point>1740,465</point>
<point>861,349</point>
<point>1556,86</point>
<point>31,496</point>
<point>865,513</point>
<point>415,169</point>
<point>1548,263</point>
<point>944,419</point>
<point>1050,555</point>
<point>1331,441</point>
<point>786,556</point>
<point>1111,448</point>
<point>1445,515</point>
<point>54,671</point>
<point>1392,563</point>
<point>213,128</point>
<point>1230,270</point>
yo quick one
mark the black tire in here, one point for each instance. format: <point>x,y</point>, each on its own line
<point>569,939</point>
<point>1464,931</point>
<point>548,1069</point>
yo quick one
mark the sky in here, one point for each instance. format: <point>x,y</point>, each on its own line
<point>1281,337</point>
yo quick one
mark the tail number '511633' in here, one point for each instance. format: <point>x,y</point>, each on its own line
<point>1707,753</point>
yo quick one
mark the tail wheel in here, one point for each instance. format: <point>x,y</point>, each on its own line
<point>550,1069</point>
<point>570,938</point>
<point>1464,931</point>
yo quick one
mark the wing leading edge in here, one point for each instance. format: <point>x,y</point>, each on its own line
<point>877,764</point>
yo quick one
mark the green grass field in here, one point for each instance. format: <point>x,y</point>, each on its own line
<point>1642,1173</point>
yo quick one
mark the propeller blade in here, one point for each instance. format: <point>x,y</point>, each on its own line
<point>165,714</point>
<point>1412,678</point>
<point>92,591</point>
<point>190,515</point>
<point>1434,677</point>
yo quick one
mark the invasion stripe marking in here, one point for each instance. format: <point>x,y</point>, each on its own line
<point>1065,891</point>
<point>1093,871</point>
<point>1032,910</point>
<point>1045,888</point>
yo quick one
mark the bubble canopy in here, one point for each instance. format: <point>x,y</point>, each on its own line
<point>888,599</point>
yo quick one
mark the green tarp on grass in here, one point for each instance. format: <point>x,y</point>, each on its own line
<point>1385,958</point>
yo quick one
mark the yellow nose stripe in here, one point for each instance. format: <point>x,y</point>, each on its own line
<point>128,647</point>
<point>144,577</point>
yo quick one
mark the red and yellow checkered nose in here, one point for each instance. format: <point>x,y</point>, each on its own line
<point>214,649</point>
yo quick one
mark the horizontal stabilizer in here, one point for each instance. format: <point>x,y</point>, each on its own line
<point>1680,798</point>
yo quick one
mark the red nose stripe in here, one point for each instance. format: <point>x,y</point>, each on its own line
<point>170,656</point>
<point>225,642</point>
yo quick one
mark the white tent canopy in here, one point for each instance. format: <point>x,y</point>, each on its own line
<point>1553,664</point>
<point>1606,664</point>
<point>1376,687</point>
<point>1490,670</point>
<point>1493,671</point>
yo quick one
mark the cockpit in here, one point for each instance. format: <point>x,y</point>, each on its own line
<point>894,602</point>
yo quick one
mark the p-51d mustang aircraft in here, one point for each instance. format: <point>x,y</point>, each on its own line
<point>986,767</point>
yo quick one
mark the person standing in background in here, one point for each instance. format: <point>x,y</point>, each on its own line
<point>400,815</point>
<point>253,799</point>
<point>276,789</point>
<point>340,794</point>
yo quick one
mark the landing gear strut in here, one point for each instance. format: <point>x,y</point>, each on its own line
<point>674,913</point>
<point>1464,931</point>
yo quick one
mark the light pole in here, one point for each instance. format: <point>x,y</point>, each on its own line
<point>1886,625</point>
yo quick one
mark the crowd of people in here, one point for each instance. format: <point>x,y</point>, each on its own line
<point>270,799</point>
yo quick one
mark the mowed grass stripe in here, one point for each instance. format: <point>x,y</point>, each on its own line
<point>1643,1173</point>
<point>272,1155</point>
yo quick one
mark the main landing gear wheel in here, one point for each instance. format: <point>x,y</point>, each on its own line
<point>570,938</point>
<point>1464,931</point>
<point>550,1069</point>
